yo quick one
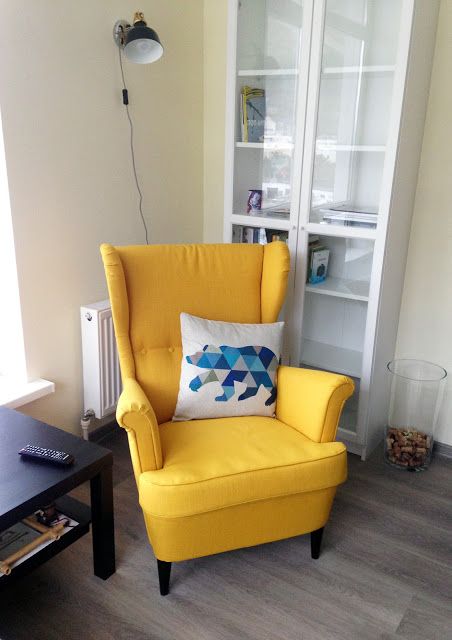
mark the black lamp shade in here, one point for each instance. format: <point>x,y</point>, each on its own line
<point>142,44</point>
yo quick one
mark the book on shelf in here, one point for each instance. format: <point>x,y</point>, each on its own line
<point>318,258</point>
<point>237,234</point>
<point>346,215</point>
<point>252,114</point>
<point>255,235</point>
<point>258,235</point>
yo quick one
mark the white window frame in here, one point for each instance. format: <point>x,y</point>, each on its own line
<point>15,388</point>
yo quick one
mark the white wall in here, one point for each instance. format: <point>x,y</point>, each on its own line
<point>67,147</point>
<point>425,327</point>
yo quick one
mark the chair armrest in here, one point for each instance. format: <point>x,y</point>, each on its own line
<point>311,401</point>
<point>135,414</point>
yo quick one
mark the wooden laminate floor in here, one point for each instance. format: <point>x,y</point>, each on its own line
<point>385,573</point>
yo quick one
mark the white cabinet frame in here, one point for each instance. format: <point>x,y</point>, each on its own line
<point>411,75</point>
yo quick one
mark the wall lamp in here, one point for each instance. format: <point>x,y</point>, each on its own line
<point>139,42</point>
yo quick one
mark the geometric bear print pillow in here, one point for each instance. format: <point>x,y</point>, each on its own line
<point>228,368</point>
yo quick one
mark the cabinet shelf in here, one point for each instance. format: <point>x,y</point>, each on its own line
<point>265,221</point>
<point>325,146</point>
<point>266,72</point>
<point>324,229</point>
<point>368,69</point>
<point>342,288</point>
<point>331,358</point>
<point>276,146</point>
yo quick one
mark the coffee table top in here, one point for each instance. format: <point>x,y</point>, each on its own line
<point>26,485</point>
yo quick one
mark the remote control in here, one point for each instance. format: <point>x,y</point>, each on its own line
<point>46,455</point>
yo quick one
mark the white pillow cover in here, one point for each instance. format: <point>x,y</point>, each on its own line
<point>228,368</point>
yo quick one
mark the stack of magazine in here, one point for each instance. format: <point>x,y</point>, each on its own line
<point>272,211</point>
<point>21,534</point>
<point>350,216</point>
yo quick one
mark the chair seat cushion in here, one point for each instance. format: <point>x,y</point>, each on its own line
<point>217,463</point>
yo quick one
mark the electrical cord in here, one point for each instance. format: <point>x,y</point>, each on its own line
<point>125,100</point>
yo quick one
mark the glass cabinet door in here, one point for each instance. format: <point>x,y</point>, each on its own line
<point>335,308</point>
<point>352,117</point>
<point>360,45</point>
<point>269,37</point>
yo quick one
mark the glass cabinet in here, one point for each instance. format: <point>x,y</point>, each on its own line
<point>322,146</point>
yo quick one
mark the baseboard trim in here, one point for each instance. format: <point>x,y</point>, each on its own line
<point>96,435</point>
<point>353,447</point>
<point>442,449</point>
<point>439,449</point>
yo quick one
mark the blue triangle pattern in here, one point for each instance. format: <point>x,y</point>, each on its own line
<point>231,354</point>
<point>266,356</point>
<point>253,366</point>
<point>250,360</point>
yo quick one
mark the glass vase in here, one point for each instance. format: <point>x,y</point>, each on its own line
<point>416,394</point>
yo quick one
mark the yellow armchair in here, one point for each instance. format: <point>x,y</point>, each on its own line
<point>207,486</point>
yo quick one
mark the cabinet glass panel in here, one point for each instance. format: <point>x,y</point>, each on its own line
<point>269,40</point>
<point>335,306</point>
<point>356,86</point>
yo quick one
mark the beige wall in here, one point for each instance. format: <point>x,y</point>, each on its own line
<point>215,51</point>
<point>425,328</point>
<point>67,146</point>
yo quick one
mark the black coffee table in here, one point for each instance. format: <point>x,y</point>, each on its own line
<point>26,486</point>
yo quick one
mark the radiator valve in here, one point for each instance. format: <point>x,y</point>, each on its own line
<point>85,423</point>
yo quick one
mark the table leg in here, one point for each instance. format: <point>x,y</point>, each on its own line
<point>103,523</point>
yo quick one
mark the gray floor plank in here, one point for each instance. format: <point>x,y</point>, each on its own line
<point>385,573</point>
<point>424,617</point>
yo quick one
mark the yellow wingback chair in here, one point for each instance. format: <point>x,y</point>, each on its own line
<point>207,486</point>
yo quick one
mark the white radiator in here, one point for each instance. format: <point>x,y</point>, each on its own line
<point>101,375</point>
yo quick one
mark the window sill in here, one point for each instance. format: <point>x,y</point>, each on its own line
<point>14,394</point>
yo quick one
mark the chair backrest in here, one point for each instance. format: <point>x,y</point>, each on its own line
<point>150,286</point>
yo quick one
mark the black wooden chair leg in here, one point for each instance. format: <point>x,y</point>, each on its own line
<point>164,569</point>
<point>316,541</point>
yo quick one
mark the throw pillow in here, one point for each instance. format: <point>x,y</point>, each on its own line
<point>228,369</point>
